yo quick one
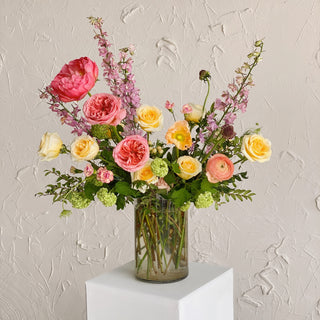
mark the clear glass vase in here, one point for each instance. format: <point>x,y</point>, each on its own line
<point>161,246</point>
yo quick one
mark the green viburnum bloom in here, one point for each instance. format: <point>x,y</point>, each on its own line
<point>204,200</point>
<point>78,200</point>
<point>185,206</point>
<point>107,198</point>
<point>100,131</point>
<point>159,167</point>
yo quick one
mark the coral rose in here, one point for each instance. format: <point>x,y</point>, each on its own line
<point>132,153</point>
<point>50,146</point>
<point>84,148</point>
<point>149,118</point>
<point>75,79</point>
<point>189,167</point>
<point>256,148</point>
<point>179,135</point>
<point>219,168</point>
<point>103,108</point>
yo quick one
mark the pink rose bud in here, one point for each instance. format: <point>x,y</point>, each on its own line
<point>104,175</point>
<point>169,105</point>
<point>103,108</point>
<point>75,80</point>
<point>88,170</point>
<point>186,109</point>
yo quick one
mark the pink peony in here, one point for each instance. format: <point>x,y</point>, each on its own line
<point>88,170</point>
<point>75,80</point>
<point>219,168</point>
<point>104,175</point>
<point>103,108</point>
<point>132,153</point>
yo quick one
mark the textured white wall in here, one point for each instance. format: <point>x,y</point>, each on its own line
<point>273,243</point>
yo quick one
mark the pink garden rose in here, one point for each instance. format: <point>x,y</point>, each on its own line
<point>219,168</point>
<point>132,153</point>
<point>88,170</point>
<point>103,108</point>
<point>75,80</point>
<point>104,175</point>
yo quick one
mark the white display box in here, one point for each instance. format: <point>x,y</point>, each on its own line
<point>207,293</point>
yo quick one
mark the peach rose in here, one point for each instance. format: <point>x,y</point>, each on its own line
<point>50,146</point>
<point>84,148</point>
<point>75,80</point>
<point>132,153</point>
<point>256,148</point>
<point>179,135</point>
<point>103,108</point>
<point>219,168</point>
<point>149,118</point>
<point>189,167</point>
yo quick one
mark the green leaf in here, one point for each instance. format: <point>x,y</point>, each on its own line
<point>170,178</point>
<point>123,187</point>
<point>121,202</point>
<point>180,196</point>
<point>90,190</point>
<point>195,186</point>
<point>208,186</point>
<point>175,167</point>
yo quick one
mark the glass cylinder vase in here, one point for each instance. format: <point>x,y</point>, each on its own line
<point>161,246</point>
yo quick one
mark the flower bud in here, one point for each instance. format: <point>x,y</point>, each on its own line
<point>204,75</point>
<point>100,131</point>
<point>227,131</point>
<point>258,43</point>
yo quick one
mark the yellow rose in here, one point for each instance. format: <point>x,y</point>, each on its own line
<point>256,148</point>
<point>50,146</point>
<point>196,114</point>
<point>149,118</point>
<point>144,174</point>
<point>84,148</point>
<point>189,167</point>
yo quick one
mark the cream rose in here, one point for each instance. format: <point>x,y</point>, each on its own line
<point>149,118</point>
<point>189,167</point>
<point>144,174</point>
<point>84,148</point>
<point>196,113</point>
<point>50,146</point>
<point>256,148</point>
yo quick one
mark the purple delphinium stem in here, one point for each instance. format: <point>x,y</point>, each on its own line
<point>119,77</point>
<point>80,125</point>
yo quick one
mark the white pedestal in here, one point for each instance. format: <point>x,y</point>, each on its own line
<point>207,293</point>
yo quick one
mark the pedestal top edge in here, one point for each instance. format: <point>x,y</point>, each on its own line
<point>123,278</point>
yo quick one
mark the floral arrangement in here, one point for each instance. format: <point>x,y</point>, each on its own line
<point>199,162</point>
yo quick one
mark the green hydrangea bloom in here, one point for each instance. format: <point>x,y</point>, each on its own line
<point>185,207</point>
<point>159,167</point>
<point>100,131</point>
<point>106,197</point>
<point>204,200</point>
<point>78,200</point>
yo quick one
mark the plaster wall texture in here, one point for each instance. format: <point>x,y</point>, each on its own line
<point>273,243</point>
